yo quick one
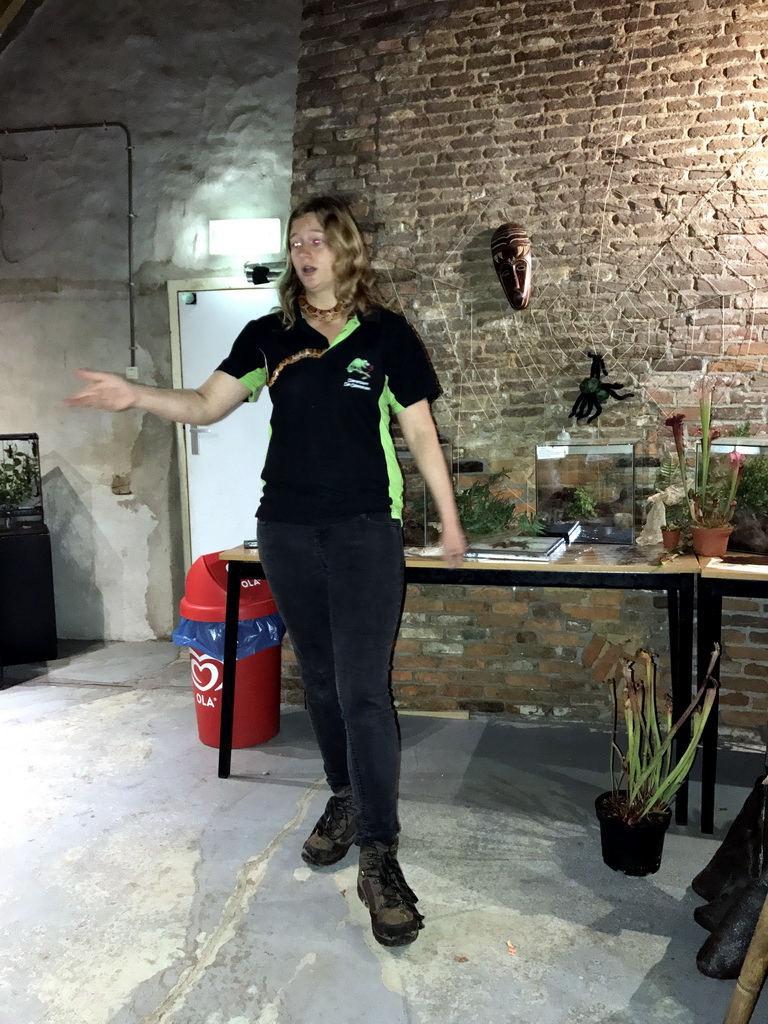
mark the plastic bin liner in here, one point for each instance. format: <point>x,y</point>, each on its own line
<point>253,635</point>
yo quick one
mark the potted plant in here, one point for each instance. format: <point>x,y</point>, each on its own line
<point>635,813</point>
<point>668,514</point>
<point>711,511</point>
<point>678,517</point>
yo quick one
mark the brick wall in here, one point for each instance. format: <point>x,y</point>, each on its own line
<point>628,139</point>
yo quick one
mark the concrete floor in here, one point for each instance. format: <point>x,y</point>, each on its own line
<point>138,888</point>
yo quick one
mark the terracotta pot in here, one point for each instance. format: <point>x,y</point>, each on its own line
<point>633,849</point>
<point>670,538</point>
<point>711,542</point>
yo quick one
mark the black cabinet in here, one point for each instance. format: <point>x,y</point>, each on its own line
<point>27,615</point>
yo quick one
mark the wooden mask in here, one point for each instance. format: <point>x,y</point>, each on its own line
<point>511,252</point>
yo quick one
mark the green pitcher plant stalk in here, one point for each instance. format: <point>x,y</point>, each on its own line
<point>648,779</point>
<point>706,390</point>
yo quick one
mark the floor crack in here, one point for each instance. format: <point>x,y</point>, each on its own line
<point>249,878</point>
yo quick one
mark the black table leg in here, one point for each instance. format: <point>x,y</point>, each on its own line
<point>709,633</point>
<point>680,613</point>
<point>231,618</point>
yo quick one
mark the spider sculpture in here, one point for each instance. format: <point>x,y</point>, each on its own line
<point>594,391</point>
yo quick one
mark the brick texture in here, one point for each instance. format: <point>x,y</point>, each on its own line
<point>628,139</point>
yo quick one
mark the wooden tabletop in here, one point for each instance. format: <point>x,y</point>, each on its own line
<point>239,554</point>
<point>735,567</point>
<point>577,558</point>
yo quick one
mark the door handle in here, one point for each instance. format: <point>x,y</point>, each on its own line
<point>194,431</point>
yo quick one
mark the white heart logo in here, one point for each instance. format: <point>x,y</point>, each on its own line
<point>205,672</point>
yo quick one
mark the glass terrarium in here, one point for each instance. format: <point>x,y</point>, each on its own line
<point>420,519</point>
<point>21,499</point>
<point>587,490</point>
<point>750,517</point>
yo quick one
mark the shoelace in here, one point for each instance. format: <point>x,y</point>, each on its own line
<point>333,821</point>
<point>395,888</point>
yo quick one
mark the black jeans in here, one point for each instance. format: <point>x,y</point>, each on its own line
<point>339,589</point>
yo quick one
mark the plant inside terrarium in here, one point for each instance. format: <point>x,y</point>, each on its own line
<point>483,511</point>
<point>17,477</point>
<point>529,524</point>
<point>582,505</point>
<point>753,491</point>
<point>751,521</point>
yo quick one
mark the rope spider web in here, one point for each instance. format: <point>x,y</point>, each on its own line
<point>577,306</point>
<point>648,274</point>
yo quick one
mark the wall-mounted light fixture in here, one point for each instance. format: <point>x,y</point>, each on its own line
<point>248,236</point>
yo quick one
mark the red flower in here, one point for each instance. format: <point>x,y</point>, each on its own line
<point>676,423</point>
<point>713,433</point>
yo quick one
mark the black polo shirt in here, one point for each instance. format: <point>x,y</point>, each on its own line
<point>330,453</point>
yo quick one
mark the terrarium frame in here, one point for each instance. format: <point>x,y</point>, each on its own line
<point>603,502</point>
<point>420,518</point>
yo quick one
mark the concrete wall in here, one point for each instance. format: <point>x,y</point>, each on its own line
<point>207,93</point>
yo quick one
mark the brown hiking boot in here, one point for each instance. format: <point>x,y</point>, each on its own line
<point>334,832</point>
<point>391,902</point>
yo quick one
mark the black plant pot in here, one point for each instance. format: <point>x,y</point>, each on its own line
<point>633,849</point>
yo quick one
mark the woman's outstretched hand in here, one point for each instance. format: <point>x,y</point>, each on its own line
<point>103,391</point>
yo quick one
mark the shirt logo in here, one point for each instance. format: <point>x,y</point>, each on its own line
<point>359,371</point>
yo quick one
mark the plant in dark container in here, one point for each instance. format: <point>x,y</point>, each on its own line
<point>678,521</point>
<point>17,477</point>
<point>635,814</point>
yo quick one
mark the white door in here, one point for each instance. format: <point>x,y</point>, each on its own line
<point>223,461</point>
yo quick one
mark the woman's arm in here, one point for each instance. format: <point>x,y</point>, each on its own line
<point>212,401</point>
<point>421,437</point>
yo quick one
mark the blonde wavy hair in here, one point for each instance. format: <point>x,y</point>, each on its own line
<point>356,285</point>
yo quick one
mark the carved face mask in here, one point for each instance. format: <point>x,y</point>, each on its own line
<point>511,252</point>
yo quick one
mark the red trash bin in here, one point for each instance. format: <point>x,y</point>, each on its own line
<point>257,679</point>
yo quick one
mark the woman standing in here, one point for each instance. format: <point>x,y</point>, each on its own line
<point>337,363</point>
